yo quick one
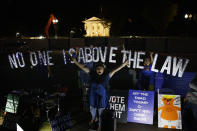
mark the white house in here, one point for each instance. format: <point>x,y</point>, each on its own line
<point>97,27</point>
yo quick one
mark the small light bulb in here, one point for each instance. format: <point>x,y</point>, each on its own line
<point>186,16</point>
<point>190,16</point>
<point>41,37</point>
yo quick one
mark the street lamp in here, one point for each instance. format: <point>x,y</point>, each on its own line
<point>72,32</point>
<point>18,37</point>
<point>55,21</point>
<point>188,16</point>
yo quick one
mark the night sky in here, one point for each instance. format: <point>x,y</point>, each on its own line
<point>161,17</point>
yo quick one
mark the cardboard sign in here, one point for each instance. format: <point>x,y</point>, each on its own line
<point>61,123</point>
<point>169,111</point>
<point>12,103</point>
<point>118,103</point>
<point>140,106</point>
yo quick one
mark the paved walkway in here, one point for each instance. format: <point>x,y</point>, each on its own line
<point>83,126</point>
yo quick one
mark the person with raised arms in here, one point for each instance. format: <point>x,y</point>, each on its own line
<point>99,81</point>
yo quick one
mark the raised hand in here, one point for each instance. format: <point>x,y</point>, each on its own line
<point>126,63</point>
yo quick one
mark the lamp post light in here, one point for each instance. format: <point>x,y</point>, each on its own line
<point>188,18</point>
<point>18,37</point>
<point>55,21</point>
<point>17,34</point>
<point>72,32</point>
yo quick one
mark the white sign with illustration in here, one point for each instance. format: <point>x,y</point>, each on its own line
<point>169,111</point>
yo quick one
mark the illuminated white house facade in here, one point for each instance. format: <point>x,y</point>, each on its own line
<point>96,27</point>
